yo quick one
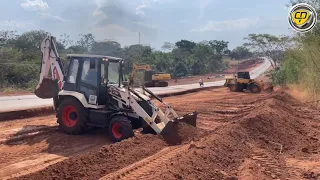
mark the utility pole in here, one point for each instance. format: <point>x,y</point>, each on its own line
<point>139,38</point>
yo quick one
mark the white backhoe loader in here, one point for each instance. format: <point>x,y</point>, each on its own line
<point>92,93</point>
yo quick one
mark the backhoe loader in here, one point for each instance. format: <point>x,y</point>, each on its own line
<point>151,78</point>
<point>93,93</point>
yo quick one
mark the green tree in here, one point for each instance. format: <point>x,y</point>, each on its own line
<point>109,48</point>
<point>240,52</point>
<point>221,47</point>
<point>180,70</point>
<point>86,41</point>
<point>270,45</point>
<point>167,46</point>
<point>186,45</point>
<point>65,40</point>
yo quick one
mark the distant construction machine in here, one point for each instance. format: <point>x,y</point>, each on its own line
<point>93,93</point>
<point>151,78</point>
<point>242,81</point>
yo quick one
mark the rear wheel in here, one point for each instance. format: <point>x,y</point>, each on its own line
<point>233,87</point>
<point>255,88</point>
<point>72,116</point>
<point>120,128</point>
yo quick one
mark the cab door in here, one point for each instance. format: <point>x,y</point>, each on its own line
<point>89,79</point>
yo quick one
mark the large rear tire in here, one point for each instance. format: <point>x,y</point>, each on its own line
<point>234,88</point>
<point>120,128</point>
<point>72,116</point>
<point>255,88</point>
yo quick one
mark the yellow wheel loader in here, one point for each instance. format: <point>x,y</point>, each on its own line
<point>93,93</point>
<point>151,78</point>
<point>242,81</point>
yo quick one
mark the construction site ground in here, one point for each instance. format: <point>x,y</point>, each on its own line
<point>243,135</point>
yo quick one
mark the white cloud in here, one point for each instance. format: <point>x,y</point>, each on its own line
<point>139,9</point>
<point>50,16</point>
<point>145,4</point>
<point>236,24</point>
<point>97,12</point>
<point>34,5</point>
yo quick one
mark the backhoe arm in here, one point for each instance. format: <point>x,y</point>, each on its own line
<point>48,87</point>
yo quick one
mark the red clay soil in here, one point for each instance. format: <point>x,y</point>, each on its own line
<point>243,135</point>
<point>95,164</point>
<point>272,126</point>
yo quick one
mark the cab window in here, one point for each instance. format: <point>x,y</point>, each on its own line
<point>73,71</point>
<point>89,74</point>
<point>113,73</point>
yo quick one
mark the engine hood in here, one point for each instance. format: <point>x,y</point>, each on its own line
<point>145,97</point>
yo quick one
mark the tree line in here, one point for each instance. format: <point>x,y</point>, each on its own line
<point>20,55</point>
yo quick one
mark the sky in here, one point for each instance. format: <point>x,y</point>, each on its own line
<point>158,21</point>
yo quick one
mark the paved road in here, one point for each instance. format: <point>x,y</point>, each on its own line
<point>12,103</point>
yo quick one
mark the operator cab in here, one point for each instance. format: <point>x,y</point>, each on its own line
<point>243,75</point>
<point>91,75</point>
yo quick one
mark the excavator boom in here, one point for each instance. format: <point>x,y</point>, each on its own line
<point>49,86</point>
<point>151,78</point>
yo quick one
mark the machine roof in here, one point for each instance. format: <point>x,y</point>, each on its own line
<point>93,56</point>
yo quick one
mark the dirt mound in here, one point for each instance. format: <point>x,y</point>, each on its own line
<point>272,125</point>
<point>278,126</point>
<point>285,97</point>
<point>94,165</point>
<point>208,158</point>
<point>266,124</point>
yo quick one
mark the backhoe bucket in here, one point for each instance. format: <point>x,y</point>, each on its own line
<point>47,89</point>
<point>174,131</point>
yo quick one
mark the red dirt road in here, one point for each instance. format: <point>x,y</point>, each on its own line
<point>249,136</point>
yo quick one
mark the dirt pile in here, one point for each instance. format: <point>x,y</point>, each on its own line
<point>94,165</point>
<point>286,98</point>
<point>278,126</point>
<point>209,158</point>
<point>238,134</point>
<point>272,125</point>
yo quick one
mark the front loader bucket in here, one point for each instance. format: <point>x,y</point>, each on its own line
<point>176,130</point>
<point>47,89</point>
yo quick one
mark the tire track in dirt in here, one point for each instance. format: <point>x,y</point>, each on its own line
<point>270,166</point>
<point>115,161</point>
<point>139,169</point>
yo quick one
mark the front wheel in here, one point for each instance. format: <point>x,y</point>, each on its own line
<point>120,128</point>
<point>72,116</point>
